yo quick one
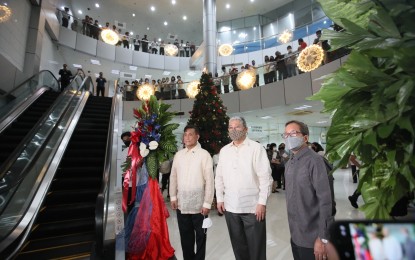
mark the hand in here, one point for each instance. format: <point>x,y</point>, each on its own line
<point>204,211</point>
<point>320,251</point>
<point>173,204</point>
<point>221,207</point>
<point>260,212</point>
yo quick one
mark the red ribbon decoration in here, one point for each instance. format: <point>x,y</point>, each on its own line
<point>136,162</point>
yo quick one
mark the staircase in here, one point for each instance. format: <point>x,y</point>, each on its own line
<point>65,227</point>
<point>15,132</point>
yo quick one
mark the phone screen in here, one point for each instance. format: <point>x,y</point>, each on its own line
<point>374,240</point>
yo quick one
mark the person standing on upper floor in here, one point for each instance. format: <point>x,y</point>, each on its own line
<point>162,44</point>
<point>191,193</point>
<point>187,49</point>
<point>233,71</point>
<point>144,44</point>
<point>301,46</point>
<point>101,84</point>
<point>74,25</point>
<point>65,77</point>
<point>243,184</point>
<point>217,83</point>
<point>290,62</point>
<point>136,42</point>
<point>181,92</point>
<point>280,65</point>
<point>192,48</point>
<point>126,40</point>
<point>256,84</point>
<point>225,80</point>
<point>308,195</point>
<point>85,28</point>
<point>65,17</point>
<point>154,45</point>
<point>182,45</point>
<point>272,69</point>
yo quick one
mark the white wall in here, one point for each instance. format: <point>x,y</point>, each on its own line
<point>51,59</point>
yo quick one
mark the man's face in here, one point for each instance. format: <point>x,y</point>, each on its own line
<point>190,138</point>
<point>294,130</point>
<point>236,125</point>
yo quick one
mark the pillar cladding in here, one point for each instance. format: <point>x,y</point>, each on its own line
<point>209,35</point>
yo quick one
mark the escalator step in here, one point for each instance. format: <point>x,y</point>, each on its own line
<point>76,183</point>
<point>56,241</point>
<point>71,196</point>
<point>78,171</point>
<point>62,228</point>
<point>66,212</point>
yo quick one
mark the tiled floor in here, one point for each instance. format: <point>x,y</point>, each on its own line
<point>278,236</point>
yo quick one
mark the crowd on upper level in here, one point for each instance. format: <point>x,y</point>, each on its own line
<point>91,28</point>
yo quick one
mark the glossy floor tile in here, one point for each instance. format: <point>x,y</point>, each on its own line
<point>278,235</point>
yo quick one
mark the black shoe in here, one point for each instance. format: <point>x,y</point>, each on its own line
<point>220,214</point>
<point>353,202</point>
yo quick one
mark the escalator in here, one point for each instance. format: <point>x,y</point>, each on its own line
<point>65,225</point>
<point>19,128</point>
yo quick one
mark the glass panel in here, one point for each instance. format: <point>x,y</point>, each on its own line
<point>224,26</point>
<point>317,12</point>
<point>225,37</point>
<point>238,23</point>
<point>251,21</point>
<point>286,23</point>
<point>303,16</point>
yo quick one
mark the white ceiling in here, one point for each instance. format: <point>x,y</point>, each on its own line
<point>189,30</point>
<point>192,30</point>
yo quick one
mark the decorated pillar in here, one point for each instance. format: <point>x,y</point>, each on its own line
<point>209,35</point>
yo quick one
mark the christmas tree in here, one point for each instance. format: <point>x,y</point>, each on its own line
<point>209,115</point>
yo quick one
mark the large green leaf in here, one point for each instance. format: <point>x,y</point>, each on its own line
<point>340,39</point>
<point>383,25</point>
<point>152,165</point>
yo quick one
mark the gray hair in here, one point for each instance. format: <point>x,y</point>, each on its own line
<point>240,119</point>
<point>303,127</point>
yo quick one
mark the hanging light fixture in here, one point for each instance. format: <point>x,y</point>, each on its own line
<point>310,58</point>
<point>109,36</point>
<point>246,79</point>
<point>171,50</point>
<point>5,13</point>
<point>193,89</point>
<point>145,91</point>
<point>285,36</point>
<point>225,49</point>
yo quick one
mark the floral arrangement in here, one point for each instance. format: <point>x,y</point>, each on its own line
<point>152,140</point>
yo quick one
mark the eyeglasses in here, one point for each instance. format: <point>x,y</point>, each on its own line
<point>293,133</point>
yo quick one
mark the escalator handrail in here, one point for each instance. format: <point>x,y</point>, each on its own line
<point>29,79</point>
<point>19,148</point>
<point>35,206</point>
<point>101,209</point>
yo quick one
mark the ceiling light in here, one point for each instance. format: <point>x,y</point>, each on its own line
<point>159,39</point>
<point>254,28</point>
<point>96,75</point>
<point>133,15</point>
<point>62,7</point>
<point>148,28</point>
<point>95,62</point>
<point>116,72</point>
<point>252,1</point>
<point>302,107</point>
<point>166,73</point>
<point>173,2</point>
<point>133,68</point>
<point>165,23</point>
<point>79,11</point>
<point>153,8</point>
<point>77,66</point>
<point>184,17</point>
<point>228,6</point>
<point>266,117</point>
<point>321,122</point>
<point>131,33</point>
<point>97,5</point>
<point>191,73</point>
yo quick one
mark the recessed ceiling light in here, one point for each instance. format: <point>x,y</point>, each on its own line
<point>228,6</point>
<point>173,2</point>
<point>116,72</point>
<point>148,28</point>
<point>166,73</point>
<point>266,117</point>
<point>77,66</point>
<point>153,8</point>
<point>184,17</point>
<point>159,39</point>
<point>165,23</point>
<point>133,68</point>
<point>79,11</point>
<point>95,62</point>
<point>133,15</point>
<point>191,73</point>
<point>131,33</point>
<point>254,28</point>
<point>6,4</point>
<point>97,5</point>
<point>62,7</point>
<point>302,107</point>
<point>321,122</point>
<point>252,1</point>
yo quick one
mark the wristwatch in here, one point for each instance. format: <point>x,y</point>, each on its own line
<point>325,241</point>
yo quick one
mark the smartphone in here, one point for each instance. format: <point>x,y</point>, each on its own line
<point>373,240</point>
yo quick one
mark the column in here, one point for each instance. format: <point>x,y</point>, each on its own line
<point>209,35</point>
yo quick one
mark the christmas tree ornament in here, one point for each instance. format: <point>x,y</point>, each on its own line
<point>310,58</point>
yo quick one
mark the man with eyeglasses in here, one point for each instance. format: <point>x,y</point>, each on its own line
<point>243,184</point>
<point>309,201</point>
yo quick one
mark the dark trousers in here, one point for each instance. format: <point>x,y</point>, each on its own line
<point>355,173</point>
<point>226,88</point>
<point>161,50</point>
<point>65,22</point>
<point>64,84</point>
<point>154,50</point>
<point>100,89</point>
<point>256,81</point>
<point>248,236</point>
<point>191,231</point>
<point>165,182</point>
<point>233,81</point>
<point>136,47</point>
<point>302,253</point>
